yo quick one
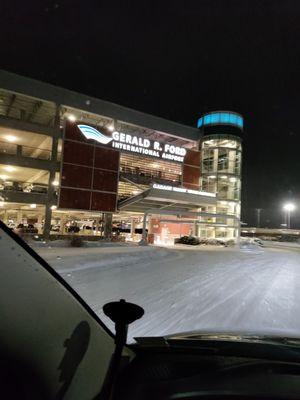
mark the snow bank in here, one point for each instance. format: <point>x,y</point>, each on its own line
<point>66,243</point>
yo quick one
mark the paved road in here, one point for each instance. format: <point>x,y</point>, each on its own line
<point>250,290</point>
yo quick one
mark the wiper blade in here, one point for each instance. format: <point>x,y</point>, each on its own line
<point>212,341</point>
<point>283,340</point>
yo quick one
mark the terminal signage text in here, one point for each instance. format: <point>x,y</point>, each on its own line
<point>182,190</point>
<point>135,144</point>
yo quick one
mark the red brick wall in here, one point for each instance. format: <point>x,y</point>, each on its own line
<point>191,170</point>
<point>89,173</point>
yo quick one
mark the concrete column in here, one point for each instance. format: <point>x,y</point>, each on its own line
<point>51,188</point>
<point>19,217</point>
<point>40,219</point>
<point>97,226</point>
<point>215,167</point>
<point>132,227</point>
<point>62,224</point>
<point>54,149</point>
<point>19,150</point>
<point>107,225</point>
<point>195,229</point>
<point>5,217</point>
<point>16,186</point>
<point>47,223</point>
<point>144,235</point>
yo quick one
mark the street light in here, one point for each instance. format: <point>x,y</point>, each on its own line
<point>288,208</point>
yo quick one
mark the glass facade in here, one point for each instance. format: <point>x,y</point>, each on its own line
<point>221,174</point>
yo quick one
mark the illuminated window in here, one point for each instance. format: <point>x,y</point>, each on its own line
<point>207,119</point>
<point>215,118</point>
<point>222,117</point>
<point>200,122</point>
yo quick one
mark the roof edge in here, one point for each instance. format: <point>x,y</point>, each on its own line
<point>49,92</point>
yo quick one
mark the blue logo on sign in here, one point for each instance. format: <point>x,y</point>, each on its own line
<point>92,133</point>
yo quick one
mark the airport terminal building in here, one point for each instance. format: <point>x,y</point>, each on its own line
<point>72,163</point>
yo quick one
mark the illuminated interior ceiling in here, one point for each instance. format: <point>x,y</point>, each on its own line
<point>144,170</point>
<point>26,108</point>
<point>25,138</point>
<point>12,208</point>
<point>128,189</point>
<point>76,215</point>
<point>150,163</point>
<point>13,173</point>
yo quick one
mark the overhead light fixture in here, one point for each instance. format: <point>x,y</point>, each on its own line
<point>212,176</point>
<point>289,207</point>
<point>232,179</point>
<point>55,183</point>
<point>10,138</point>
<point>111,127</point>
<point>53,207</point>
<point>71,118</point>
<point>2,203</point>
<point>3,177</point>
<point>32,205</point>
<point>224,177</point>
<point>9,168</point>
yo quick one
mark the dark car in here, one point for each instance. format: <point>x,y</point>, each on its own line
<point>73,229</point>
<point>53,346</point>
<point>26,229</point>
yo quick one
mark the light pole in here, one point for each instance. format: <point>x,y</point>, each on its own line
<point>258,211</point>
<point>288,207</point>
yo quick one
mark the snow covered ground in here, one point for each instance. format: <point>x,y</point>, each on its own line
<point>184,289</point>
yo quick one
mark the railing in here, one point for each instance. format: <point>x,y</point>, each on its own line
<point>25,151</point>
<point>36,152</point>
<point>149,173</point>
<point>24,187</point>
<point>26,109</point>
<point>8,148</point>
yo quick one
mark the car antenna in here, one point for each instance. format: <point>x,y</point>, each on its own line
<point>122,314</point>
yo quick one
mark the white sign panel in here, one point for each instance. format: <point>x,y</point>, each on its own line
<point>182,190</point>
<point>135,144</point>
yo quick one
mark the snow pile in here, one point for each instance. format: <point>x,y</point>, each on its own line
<point>67,243</point>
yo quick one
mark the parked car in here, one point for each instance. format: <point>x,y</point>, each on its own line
<point>73,229</point>
<point>55,228</point>
<point>25,229</point>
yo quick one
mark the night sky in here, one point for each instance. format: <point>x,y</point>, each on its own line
<point>178,59</point>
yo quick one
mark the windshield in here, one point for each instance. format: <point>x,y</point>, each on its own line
<point>150,154</point>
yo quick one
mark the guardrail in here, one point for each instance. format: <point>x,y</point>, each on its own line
<point>36,152</point>
<point>24,187</point>
<point>25,151</point>
<point>8,148</point>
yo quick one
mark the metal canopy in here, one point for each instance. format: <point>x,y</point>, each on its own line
<point>157,199</point>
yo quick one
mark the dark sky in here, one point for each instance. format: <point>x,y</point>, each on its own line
<point>178,59</point>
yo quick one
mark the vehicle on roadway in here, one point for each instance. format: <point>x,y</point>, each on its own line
<point>53,346</point>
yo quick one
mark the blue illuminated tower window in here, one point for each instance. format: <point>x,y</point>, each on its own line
<point>221,118</point>
<point>200,122</point>
<point>207,119</point>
